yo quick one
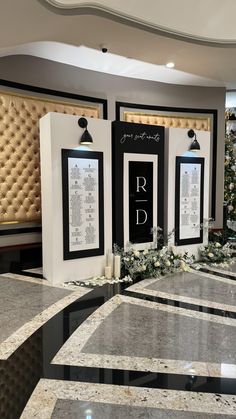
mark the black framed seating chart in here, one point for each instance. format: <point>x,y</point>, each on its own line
<point>83,203</point>
<point>189,195</point>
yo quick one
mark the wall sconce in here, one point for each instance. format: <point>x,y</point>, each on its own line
<point>194,146</point>
<point>86,138</point>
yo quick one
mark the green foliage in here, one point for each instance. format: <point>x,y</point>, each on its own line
<point>230,177</point>
<point>153,262</point>
<point>214,252</point>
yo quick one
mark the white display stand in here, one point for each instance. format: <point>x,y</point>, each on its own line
<point>60,131</point>
<point>177,142</point>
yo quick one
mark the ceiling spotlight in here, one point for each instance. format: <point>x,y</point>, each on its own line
<point>194,146</point>
<point>86,137</point>
<point>170,65</point>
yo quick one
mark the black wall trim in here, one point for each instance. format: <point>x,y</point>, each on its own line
<point>19,230</point>
<point>214,113</point>
<point>42,90</point>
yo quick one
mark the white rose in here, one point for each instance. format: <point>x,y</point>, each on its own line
<point>144,267</point>
<point>145,252</point>
<point>168,263</point>
<point>173,249</point>
<point>210,255</point>
<point>217,244</point>
<point>231,186</point>
<point>136,253</point>
<point>156,264</point>
<point>230,208</point>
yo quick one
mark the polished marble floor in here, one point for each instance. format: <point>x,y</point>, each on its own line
<point>161,348</point>
<point>223,271</point>
<point>59,399</point>
<point>192,287</point>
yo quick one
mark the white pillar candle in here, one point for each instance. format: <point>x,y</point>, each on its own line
<point>108,272</point>
<point>110,262</point>
<point>117,266</point>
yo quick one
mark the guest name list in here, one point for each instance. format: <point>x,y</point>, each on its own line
<point>83,204</point>
<point>190,200</point>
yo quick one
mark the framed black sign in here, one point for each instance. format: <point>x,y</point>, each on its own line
<point>83,203</point>
<point>189,195</point>
<point>138,183</point>
<point>140,201</point>
<point>198,117</point>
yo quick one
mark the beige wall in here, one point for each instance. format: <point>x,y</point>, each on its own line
<point>48,74</point>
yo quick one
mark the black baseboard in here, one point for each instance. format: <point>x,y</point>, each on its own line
<point>17,258</point>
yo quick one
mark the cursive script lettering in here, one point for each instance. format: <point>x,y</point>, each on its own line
<point>143,136</point>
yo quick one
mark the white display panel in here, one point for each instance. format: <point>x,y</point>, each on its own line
<point>189,203</point>
<point>83,202</point>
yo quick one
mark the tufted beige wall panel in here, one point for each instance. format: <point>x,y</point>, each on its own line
<point>19,152</point>
<point>169,121</point>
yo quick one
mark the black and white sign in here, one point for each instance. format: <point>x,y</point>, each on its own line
<point>189,200</point>
<point>140,198</point>
<point>138,183</point>
<point>82,203</point>
<point>140,201</point>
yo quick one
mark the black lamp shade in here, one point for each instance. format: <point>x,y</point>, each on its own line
<point>194,146</point>
<point>86,138</point>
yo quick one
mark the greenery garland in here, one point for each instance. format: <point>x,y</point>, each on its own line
<point>215,253</point>
<point>230,177</point>
<point>152,263</point>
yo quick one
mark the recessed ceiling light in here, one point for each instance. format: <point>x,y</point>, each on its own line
<point>170,65</point>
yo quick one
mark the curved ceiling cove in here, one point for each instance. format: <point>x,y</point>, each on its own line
<point>203,21</point>
<point>91,59</point>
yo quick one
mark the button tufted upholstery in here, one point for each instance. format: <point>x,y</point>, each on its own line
<point>19,152</point>
<point>169,121</point>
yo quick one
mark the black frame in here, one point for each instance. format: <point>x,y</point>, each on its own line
<point>179,161</point>
<point>212,112</point>
<point>97,155</point>
<point>50,92</point>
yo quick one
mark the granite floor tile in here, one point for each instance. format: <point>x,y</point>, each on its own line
<point>229,271</point>
<point>77,410</point>
<point>62,399</point>
<point>195,286</point>
<point>25,305</point>
<point>133,330</point>
<point>38,271</point>
<point>20,301</point>
<point>230,268</point>
<point>133,334</point>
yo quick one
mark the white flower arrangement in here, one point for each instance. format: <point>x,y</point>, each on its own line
<point>215,253</point>
<point>98,281</point>
<point>152,262</point>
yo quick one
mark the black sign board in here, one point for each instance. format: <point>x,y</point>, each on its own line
<point>140,201</point>
<point>140,139</point>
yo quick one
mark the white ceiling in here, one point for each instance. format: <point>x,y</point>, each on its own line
<point>208,20</point>
<point>55,34</point>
